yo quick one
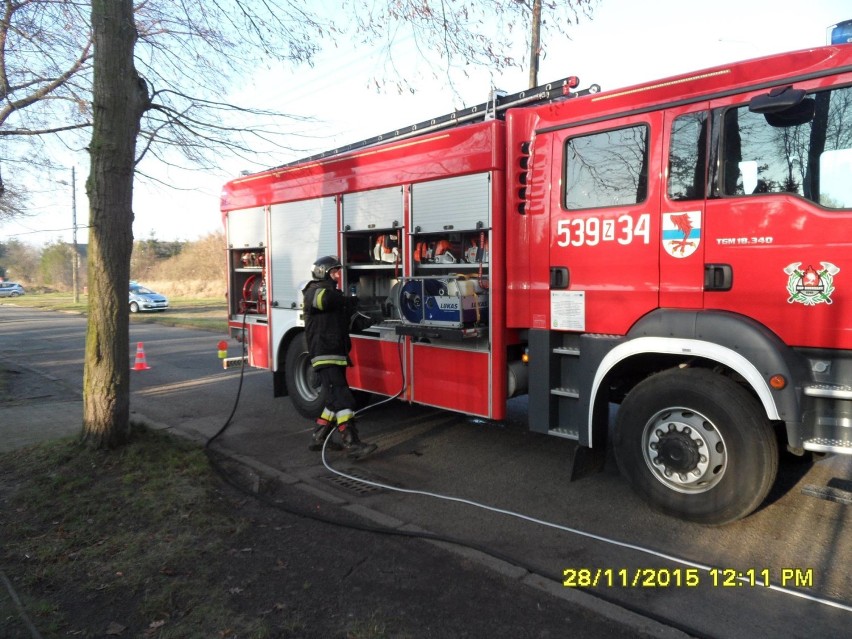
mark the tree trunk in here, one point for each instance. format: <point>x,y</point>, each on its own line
<point>119,100</point>
<point>535,43</point>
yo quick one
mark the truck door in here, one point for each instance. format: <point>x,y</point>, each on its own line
<point>682,267</point>
<point>604,255</point>
<point>781,221</point>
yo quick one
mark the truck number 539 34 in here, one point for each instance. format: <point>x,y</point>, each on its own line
<point>591,231</point>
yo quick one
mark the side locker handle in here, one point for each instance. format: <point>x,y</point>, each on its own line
<point>559,277</point>
<point>718,277</point>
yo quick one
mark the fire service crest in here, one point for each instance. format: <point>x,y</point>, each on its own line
<point>810,286</point>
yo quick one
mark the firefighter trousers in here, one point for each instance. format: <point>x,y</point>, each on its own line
<point>339,402</point>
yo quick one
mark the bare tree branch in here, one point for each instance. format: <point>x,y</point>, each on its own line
<point>39,132</point>
<point>191,53</point>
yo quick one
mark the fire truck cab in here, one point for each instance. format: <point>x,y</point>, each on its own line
<point>677,248</point>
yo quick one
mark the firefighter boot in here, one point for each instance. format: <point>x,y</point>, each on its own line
<point>355,448</point>
<point>321,432</point>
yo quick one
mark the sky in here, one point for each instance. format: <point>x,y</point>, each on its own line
<point>623,43</point>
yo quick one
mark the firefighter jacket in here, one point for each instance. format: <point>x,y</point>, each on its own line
<point>327,314</point>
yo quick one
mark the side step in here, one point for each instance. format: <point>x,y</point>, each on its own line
<point>567,359</point>
<point>831,431</point>
<point>829,391</point>
<point>825,445</point>
<point>562,368</point>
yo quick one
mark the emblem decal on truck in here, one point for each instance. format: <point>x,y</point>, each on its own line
<point>810,286</point>
<point>681,233</point>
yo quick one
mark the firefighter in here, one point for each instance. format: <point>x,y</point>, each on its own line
<point>327,316</point>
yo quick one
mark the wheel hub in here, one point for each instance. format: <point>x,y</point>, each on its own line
<point>684,450</point>
<point>678,452</point>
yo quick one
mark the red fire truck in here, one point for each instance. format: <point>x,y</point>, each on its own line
<point>681,248</point>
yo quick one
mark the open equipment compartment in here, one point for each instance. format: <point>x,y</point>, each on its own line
<point>447,295</point>
<point>247,260</point>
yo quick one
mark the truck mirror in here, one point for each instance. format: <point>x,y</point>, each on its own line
<point>783,107</point>
<point>802,113</point>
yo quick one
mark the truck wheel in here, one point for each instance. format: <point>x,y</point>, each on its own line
<point>303,387</point>
<point>696,445</point>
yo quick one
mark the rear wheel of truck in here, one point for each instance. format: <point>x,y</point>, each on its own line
<point>303,385</point>
<point>696,445</point>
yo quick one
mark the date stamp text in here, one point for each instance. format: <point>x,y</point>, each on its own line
<point>685,577</point>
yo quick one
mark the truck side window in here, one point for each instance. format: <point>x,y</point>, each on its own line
<point>688,157</point>
<point>813,160</point>
<point>607,169</point>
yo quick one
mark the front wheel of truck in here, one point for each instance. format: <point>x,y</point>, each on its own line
<point>696,445</point>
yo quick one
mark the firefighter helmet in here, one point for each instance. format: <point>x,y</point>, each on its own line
<point>323,266</point>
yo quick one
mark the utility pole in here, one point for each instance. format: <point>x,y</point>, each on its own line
<point>75,260</point>
<point>535,43</point>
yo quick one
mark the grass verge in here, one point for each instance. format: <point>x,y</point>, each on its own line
<point>208,314</point>
<point>133,532</point>
<point>147,542</point>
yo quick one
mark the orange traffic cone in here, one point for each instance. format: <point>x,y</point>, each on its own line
<point>140,364</point>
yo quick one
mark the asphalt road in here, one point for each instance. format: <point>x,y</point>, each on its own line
<point>703,581</point>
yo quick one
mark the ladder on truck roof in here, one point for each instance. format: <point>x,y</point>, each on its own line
<point>494,108</point>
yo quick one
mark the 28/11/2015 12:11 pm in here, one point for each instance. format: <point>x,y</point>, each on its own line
<point>681,577</point>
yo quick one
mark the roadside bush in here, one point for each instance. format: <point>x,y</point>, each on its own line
<point>189,288</point>
<point>199,270</point>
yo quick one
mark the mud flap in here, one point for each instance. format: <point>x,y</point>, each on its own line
<point>584,461</point>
